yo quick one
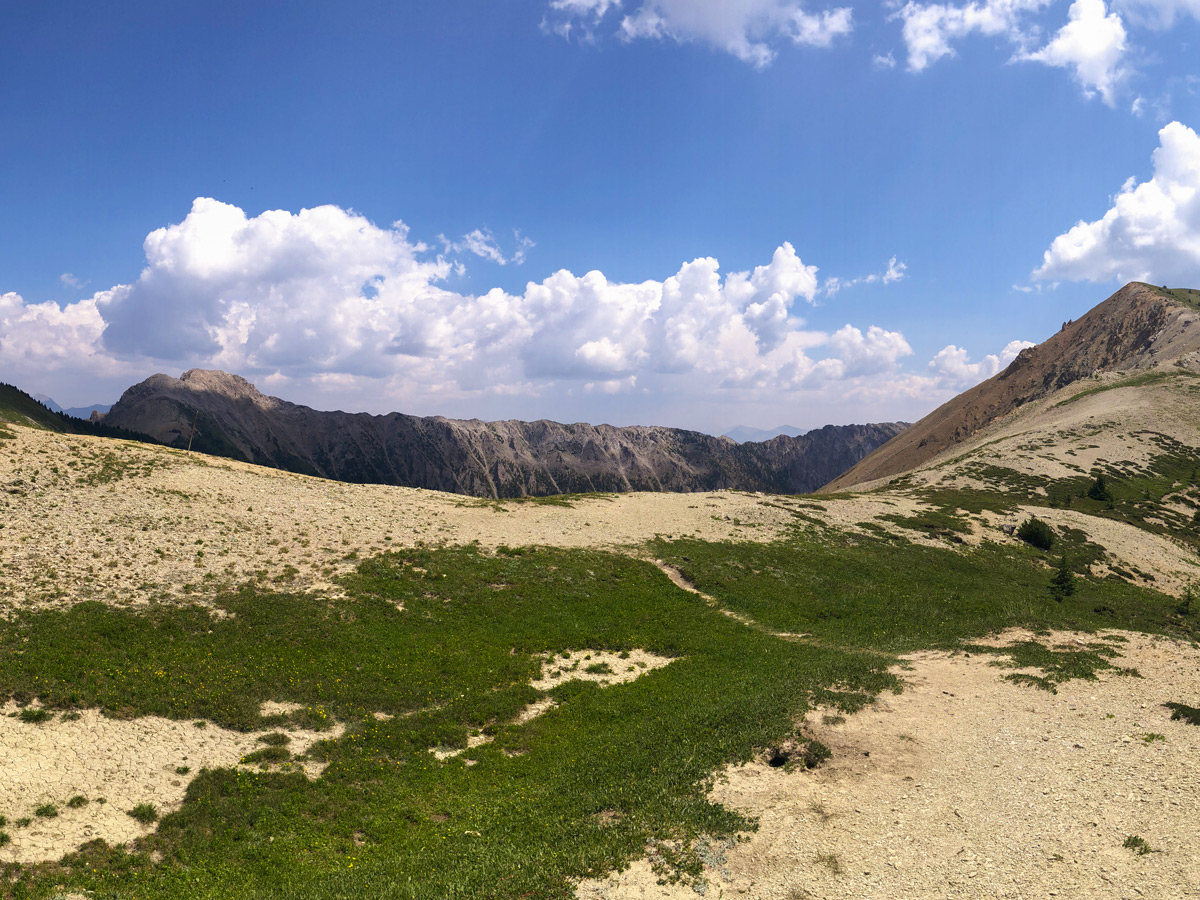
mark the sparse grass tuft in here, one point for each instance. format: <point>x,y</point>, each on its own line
<point>1138,845</point>
<point>830,862</point>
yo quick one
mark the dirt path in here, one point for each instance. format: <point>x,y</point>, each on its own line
<point>678,579</point>
<point>969,786</point>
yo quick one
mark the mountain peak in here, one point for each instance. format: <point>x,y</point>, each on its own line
<point>1140,327</point>
<point>225,383</point>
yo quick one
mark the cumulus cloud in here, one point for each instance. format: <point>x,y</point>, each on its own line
<point>952,368</point>
<point>870,354</point>
<point>930,28</point>
<point>325,298</point>
<point>1093,45</point>
<point>751,30</point>
<point>1151,232</point>
<point>39,339</point>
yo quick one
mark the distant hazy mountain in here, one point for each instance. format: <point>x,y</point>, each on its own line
<point>85,412</point>
<point>48,402</point>
<point>79,412</point>
<point>744,434</point>
<point>491,459</point>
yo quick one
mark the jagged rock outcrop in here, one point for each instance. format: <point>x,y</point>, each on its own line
<point>1140,327</point>
<point>488,459</point>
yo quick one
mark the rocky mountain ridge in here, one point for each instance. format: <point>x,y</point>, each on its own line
<point>489,459</point>
<point>1139,329</point>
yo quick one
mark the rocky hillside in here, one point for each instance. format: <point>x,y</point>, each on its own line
<point>1140,328</point>
<point>490,459</point>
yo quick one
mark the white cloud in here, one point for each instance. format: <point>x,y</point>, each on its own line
<point>597,8</point>
<point>482,243</point>
<point>1158,13</point>
<point>895,272</point>
<point>1093,45</point>
<point>1151,232</point>
<point>38,340</point>
<point>325,302</point>
<point>870,354</point>
<point>751,30</point>
<point>930,28</point>
<point>66,279</point>
<point>952,368</point>
<point>884,60</point>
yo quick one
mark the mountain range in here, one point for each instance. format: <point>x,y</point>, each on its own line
<point>217,412</point>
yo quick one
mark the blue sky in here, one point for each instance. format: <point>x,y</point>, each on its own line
<point>681,212</point>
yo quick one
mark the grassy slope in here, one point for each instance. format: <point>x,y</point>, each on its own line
<point>17,407</point>
<point>388,820</point>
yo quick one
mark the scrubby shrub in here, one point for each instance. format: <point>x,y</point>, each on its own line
<point>144,813</point>
<point>1036,533</point>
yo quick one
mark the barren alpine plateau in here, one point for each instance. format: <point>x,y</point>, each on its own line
<point>250,649</point>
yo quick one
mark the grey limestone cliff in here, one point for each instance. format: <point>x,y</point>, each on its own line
<point>488,459</point>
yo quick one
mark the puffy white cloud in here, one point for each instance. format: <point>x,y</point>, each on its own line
<point>929,28</point>
<point>1151,232</point>
<point>1093,45</point>
<point>322,289</point>
<point>46,334</point>
<point>751,30</point>
<point>870,354</point>
<point>952,368</point>
<point>324,302</point>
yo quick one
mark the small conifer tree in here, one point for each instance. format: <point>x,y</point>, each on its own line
<point>1062,585</point>
<point>1099,490</point>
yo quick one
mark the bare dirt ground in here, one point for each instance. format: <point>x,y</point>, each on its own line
<point>85,518</point>
<point>973,786</point>
<point>967,785</point>
<point>108,767</point>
